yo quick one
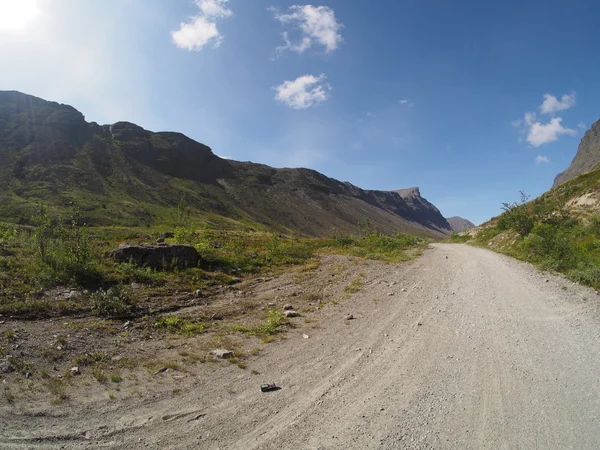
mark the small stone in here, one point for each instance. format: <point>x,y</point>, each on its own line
<point>198,293</point>
<point>305,336</point>
<point>288,307</point>
<point>235,281</point>
<point>419,323</point>
<point>446,257</point>
<point>547,280</point>
<point>271,304</point>
<point>390,294</point>
<point>216,317</point>
<point>160,240</point>
<point>404,290</point>
<point>291,313</point>
<point>222,353</point>
<point>349,317</point>
<point>75,371</point>
<point>126,324</point>
<point>6,367</point>
<point>135,286</point>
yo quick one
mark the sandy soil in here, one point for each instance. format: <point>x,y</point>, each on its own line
<point>470,350</point>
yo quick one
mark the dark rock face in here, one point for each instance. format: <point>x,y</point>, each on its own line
<point>424,211</point>
<point>161,256</point>
<point>587,157</point>
<point>459,224</point>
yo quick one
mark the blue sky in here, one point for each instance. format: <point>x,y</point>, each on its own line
<point>471,101</point>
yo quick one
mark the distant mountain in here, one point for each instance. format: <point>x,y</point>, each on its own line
<point>459,224</point>
<point>429,215</point>
<point>587,157</point>
<point>121,174</point>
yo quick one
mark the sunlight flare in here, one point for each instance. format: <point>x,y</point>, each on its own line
<point>16,15</point>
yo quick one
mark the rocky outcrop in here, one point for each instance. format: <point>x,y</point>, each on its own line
<point>160,256</point>
<point>424,211</point>
<point>459,224</point>
<point>586,158</point>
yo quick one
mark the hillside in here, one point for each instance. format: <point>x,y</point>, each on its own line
<point>459,224</point>
<point>122,174</point>
<point>586,158</point>
<point>559,230</point>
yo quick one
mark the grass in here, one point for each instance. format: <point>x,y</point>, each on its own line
<point>56,387</point>
<point>59,252</point>
<point>355,286</point>
<point>548,234</point>
<point>275,321</point>
<point>10,335</point>
<point>177,325</point>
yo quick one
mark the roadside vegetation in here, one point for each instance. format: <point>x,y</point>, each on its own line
<point>59,265</point>
<point>550,231</point>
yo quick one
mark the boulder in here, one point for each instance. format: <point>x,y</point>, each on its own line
<point>160,256</point>
<point>221,353</point>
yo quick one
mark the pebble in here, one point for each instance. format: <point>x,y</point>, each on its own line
<point>349,317</point>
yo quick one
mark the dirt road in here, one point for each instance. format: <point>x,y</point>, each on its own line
<point>472,350</point>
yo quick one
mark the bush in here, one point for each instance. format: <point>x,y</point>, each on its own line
<point>114,302</point>
<point>275,320</point>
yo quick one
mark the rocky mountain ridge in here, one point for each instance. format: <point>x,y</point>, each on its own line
<point>587,157</point>
<point>122,174</point>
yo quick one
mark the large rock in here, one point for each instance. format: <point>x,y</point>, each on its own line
<point>159,256</point>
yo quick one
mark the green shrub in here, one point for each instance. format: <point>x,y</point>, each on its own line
<point>275,320</point>
<point>114,302</point>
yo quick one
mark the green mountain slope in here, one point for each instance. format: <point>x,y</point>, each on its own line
<point>122,174</point>
<point>559,230</point>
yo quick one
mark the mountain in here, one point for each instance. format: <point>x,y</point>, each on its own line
<point>587,157</point>
<point>459,224</point>
<point>428,214</point>
<point>121,174</point>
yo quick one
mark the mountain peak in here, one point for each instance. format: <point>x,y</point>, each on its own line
<point>586,158</point>
<point>412,191</point>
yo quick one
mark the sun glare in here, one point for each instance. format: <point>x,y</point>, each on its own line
<point>17,14</point>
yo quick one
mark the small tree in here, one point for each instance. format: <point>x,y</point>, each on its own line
<point>518,216</point>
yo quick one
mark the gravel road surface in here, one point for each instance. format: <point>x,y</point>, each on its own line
<point>462,348</point>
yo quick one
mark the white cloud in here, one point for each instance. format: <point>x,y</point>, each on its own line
<point>551,104</point>
<point>537,133</point>
<point>406,102</point>
<point>214,8</point>
<point>371,115</point>
<point>303,92</point>
<point>582,126</point>
<point>541,160</point>
<point>317,24</point>
<point>202,29</point>
<point>544,133</point>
